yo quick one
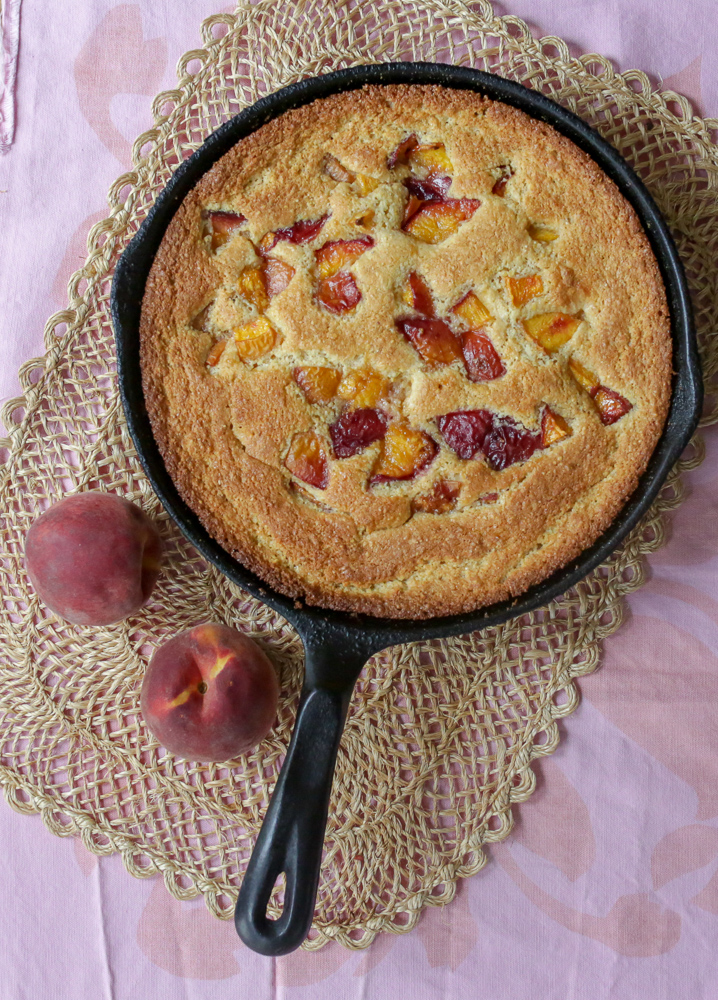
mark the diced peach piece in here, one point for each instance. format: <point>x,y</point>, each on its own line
<point>318,384</point>
<point>366,219</point>
<point>251,287</point>
<point>472,311</point>
<point>611,405</point>
<point>400,153</point>
<point>277,275</point>
<point>364,388</point>
<point>340,254</point>
<point>586,379</point>
<point>413,204</point>
<point>336,170</point>
<point>551,330</point>
<point>435,221</point>
<point>254,339</point>
<point>405,453</point>
<point>502,181</point>
<point>480,357</point>
<point>224,225</point>
<point>432,158</point>
<point>432,339</point>
<point>215,353</point>
<point>366,184</point>
<point>307,459</point>
<point>541,233</point>
<point>526,288</point>
<point>441,498</point>
<point>553,428</point>
<point>417,295</point>
<point>301,232</point>
<point>339,294</point>
<point>355,430</point>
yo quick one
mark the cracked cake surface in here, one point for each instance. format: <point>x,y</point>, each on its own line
<point>405,351</point>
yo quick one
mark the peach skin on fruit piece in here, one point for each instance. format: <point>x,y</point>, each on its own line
<point>435,221</point>
<point>339,294</point>
<point>253,340</point>
<point>277,275</point>
<point>551,330</point>
<point>93,558</point>
<point>209,694</point>
<point>405,453</point>
<point>355,430</point>
<point>611,405</point>
<point>480,357</point>
<point>340,254</point>
<point>307,459</point>
<point>223,226</point>
<point>318,384</point>
<point>417,295</point>
<point>432,339</point>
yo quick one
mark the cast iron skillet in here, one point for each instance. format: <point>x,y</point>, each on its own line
<point>337,645</point>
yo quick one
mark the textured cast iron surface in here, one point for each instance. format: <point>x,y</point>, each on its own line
<point>338,644</point>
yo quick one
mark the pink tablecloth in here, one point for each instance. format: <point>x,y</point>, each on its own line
<point>608,886</point>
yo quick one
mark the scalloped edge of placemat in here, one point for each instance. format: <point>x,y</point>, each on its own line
<point>64,820</point>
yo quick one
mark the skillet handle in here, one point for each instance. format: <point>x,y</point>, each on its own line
<point>292,834</point>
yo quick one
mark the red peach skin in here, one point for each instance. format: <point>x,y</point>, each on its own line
<point>209,694</point>
<point>93,558</point>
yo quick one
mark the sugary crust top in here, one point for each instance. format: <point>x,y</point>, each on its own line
<point>226,428</point>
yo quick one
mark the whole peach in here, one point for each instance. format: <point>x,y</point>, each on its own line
<point>93,558</point>
<point>209,694</point>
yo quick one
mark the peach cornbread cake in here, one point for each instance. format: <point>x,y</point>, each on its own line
<point>405,351</point>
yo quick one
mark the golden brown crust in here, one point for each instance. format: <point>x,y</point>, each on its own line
<point>224,431</point>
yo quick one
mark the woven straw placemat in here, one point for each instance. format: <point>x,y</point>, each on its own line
<point>441,735</point>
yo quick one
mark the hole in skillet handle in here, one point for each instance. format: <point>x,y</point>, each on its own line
<point>291,839</point>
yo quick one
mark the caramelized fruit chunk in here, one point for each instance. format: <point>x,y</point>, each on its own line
<point>432,339</point>
<point>553,428</point>
<point>215,353</point>
<point>366,184</point>
<point>405,453</point>
<point>416,294</point>
<point>336,171</point>
<point>502,181</point>
<point>431,188</point>
<point>363,388</point>
<point>302,231</point>
<point>224,225</point>
<point>400,153</point>
<point>435,221</point>
<point>586,379</point>
<point>340,293</point>
<point>526,288</point>
<point>611,405</point>
<point>366,219</point>
<point>431,157</point>
<point>340,254</point>
<point>482,362</point>
<point>319,385</point>
<point>277,275</point>
<point>472,311</point>
<point>541,233</point>
<point>307,460</point>
<point>441,498</point>
<point>551,330</point>
<point>413,204</point>
<point>255,339</point>
<point>501,440</point>
<point>251,287</point>
<point>465,430</point>
<point>355,430</point>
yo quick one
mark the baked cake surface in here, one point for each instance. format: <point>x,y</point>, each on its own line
<point>405,351</point>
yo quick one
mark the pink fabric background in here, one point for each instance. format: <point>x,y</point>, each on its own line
<point>609,885</point>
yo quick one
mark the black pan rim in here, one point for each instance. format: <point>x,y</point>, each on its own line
<point>134,265</point>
